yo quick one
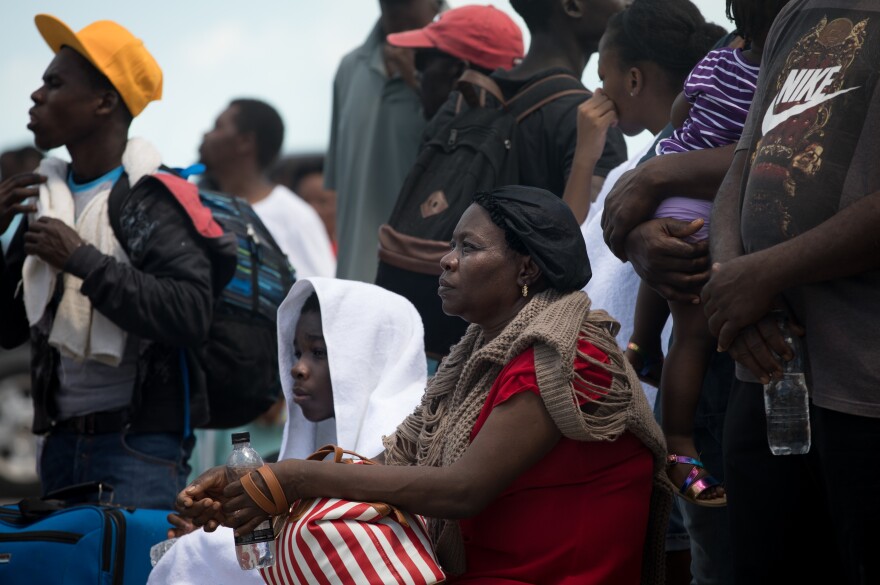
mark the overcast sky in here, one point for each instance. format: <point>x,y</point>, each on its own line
<point>281,51</point>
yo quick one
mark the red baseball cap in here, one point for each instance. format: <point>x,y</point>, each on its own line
<point>482,35</point>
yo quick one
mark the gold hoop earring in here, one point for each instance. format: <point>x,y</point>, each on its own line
<point>525,290</point>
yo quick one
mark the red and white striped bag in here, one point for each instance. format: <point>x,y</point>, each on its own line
<point>333,541</point>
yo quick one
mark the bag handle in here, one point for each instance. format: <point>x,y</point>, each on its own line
<point>338,452</point>
<point>302,506</point>
<point>471,81</point>
<point>549,99</point>
<point>568,79</point>
<point>273,506</point>
<point>36,508</point>
<point>544,91</point>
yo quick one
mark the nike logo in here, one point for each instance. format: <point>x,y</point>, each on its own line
<point>805,86</point>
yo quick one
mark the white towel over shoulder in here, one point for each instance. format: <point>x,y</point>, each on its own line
<point>78,330</point>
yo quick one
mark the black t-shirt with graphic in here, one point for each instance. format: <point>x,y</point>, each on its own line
<point>813,137</point>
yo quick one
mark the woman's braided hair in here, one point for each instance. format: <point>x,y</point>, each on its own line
<point>487,202</point>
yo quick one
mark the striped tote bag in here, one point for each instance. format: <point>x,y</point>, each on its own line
<point>339,542</point>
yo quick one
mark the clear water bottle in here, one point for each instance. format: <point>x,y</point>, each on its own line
<point>787,401</point>
<point>257,549</point>
<point>157,551</point>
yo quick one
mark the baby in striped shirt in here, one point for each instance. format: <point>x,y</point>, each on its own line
<point>717,93</point>
<point>709,113</point>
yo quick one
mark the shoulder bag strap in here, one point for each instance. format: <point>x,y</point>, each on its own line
<point>542,92</point>
<point>474,86</point>
<point>118,195</point>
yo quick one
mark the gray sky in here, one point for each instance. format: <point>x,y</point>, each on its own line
<point>281,51</point>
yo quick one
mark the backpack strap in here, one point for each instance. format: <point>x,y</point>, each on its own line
<point>544,91</point>
<point>187,194</point>
<point>118,195</point>
<point>474,86</point>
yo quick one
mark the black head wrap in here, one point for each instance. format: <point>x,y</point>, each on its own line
<point>537,222</point>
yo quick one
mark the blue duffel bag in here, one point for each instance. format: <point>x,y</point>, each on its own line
<point>47,542</point>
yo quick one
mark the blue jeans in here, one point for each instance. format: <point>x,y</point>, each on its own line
<point>708,528</point>
<point>146,470</point>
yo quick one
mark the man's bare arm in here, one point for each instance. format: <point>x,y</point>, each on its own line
<point>637,193</point>
<point>845,245</point>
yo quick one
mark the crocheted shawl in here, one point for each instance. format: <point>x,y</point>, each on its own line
<point>438,432</point>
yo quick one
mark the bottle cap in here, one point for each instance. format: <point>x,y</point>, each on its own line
<point>241,438</point>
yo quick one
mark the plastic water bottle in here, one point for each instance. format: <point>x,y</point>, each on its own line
<point>257,549</point>
<point>157,551</point>
<point>787,401</point>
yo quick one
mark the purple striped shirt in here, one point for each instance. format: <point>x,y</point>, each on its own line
<point>720,89</point>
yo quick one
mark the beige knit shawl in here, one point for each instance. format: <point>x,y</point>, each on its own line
<point>437,433</point>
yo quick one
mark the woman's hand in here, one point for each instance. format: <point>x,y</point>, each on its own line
<point>201,501</point>
<point>594,117</point>
<point>180,526</point>
<point>242,514</point>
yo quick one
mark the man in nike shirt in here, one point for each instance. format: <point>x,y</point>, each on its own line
<point>795,226</point>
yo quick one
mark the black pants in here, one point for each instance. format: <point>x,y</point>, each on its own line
<point>811,518</point>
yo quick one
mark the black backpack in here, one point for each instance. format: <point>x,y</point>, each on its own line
<point>239,360</point>
<point>475,151</point>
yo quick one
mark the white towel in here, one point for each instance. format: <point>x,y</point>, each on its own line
<point>38,278</point>
<point>377,367</point>
<point>78,331</point>
<point>377,363</point>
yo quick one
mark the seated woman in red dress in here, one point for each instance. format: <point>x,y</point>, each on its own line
<point>534,454</point>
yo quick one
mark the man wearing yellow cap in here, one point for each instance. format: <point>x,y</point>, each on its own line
<point>119,265</point>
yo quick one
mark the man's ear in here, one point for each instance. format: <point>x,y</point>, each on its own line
<point>573,8</point>
<point>246,143</point>
<point>108,102</point>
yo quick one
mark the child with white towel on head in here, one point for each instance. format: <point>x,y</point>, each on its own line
<point>352,367</point>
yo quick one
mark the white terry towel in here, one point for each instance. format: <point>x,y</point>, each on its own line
<point>377,364</point>
<point>79,331</point>
<point>377,367</point>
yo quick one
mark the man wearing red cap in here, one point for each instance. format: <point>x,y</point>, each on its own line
<point>118,275</point>
<point>563,37</point>
<point>470,37</point>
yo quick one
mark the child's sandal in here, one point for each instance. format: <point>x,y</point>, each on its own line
<point>694,484</point>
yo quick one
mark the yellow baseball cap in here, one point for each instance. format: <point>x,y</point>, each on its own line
<point>115,52</point>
